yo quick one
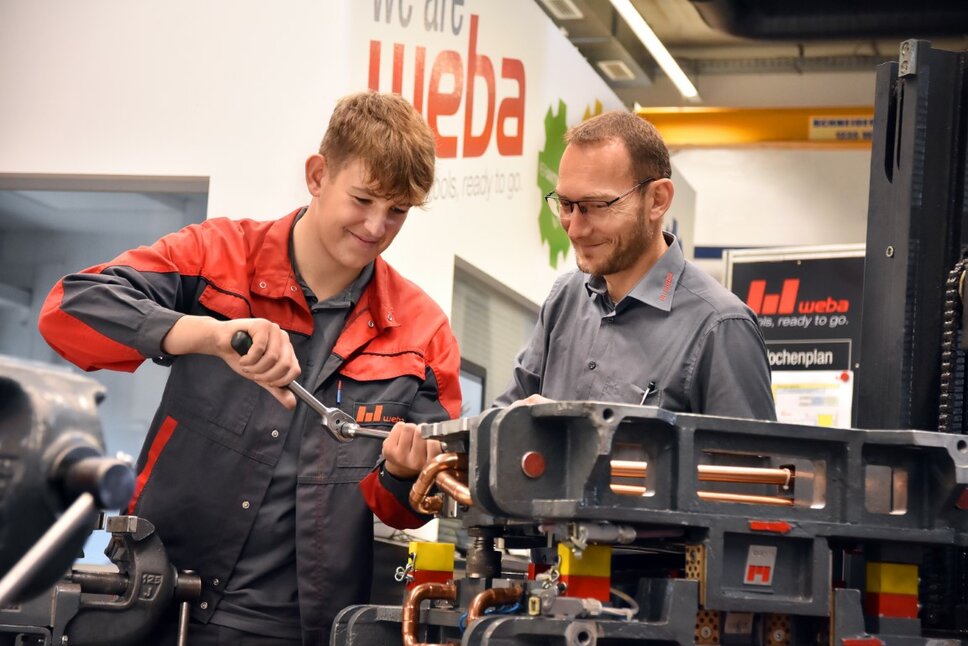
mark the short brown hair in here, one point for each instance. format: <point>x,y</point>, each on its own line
<point>650,157</point>
<point>389,136</point>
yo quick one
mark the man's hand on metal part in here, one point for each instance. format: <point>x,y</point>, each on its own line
<point>270,361</point>
<point>406,452</point>
<point>531,399</point>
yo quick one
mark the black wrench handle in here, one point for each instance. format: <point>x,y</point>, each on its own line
<point>241,342</point>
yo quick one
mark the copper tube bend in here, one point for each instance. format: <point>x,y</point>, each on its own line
<point>489,598</point>
<point>411,607</point>
<point>450,483</point>
<point>419,498</point>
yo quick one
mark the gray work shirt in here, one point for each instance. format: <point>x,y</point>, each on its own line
<point>678,340</point>
<point>261,595</point>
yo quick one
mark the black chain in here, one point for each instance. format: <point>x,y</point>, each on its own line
<point>951,403</point>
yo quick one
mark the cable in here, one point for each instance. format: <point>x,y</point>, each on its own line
<point>633,606</point>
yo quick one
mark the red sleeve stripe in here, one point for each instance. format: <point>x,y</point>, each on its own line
<point>79,343</point>
<point>157,446</point>
<point>385,505</point>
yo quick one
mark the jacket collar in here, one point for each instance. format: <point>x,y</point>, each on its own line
<point>377,303</point>
<point>275,277</point>
<point>373,314</point>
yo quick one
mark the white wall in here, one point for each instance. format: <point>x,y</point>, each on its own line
<point>240,91</point>
<point>220,89</point>
<point>774,197</point>
<point>771,196</point>
<point>768,197</point>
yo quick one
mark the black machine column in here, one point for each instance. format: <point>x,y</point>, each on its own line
<point>916,234</point>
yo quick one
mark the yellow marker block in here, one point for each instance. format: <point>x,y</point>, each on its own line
<point>596,560</point>
<point>825,419</point>
<point>438,557</point>
<point>892,578</point>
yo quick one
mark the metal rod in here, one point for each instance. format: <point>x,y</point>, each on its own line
<point>628,490</point>
<point>183,613</point>
<point>712,473</point>
<point>750,475</point>
<point>715,496</point>
<point>76,518</point>
<point>359,431</point>
<point>100,582</point>
<point>721,496</point>
<point>306,397</point>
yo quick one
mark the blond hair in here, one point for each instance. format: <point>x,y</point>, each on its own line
<point>650,157</point>
<point>391,139</point>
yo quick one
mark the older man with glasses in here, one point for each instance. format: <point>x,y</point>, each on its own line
<point>636,323</point>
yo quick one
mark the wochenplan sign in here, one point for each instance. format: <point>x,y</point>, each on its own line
<point>807,302</point>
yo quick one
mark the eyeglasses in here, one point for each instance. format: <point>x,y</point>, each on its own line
<point>589,208</point>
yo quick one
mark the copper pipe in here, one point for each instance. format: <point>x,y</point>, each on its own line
<point>419,499</point>
<point>721,496</point>
<point>628,490</point>
<point>749,475</point>
<point>628,469</point>
<point>717,496</point>
<point>411,607</point>
<point>491,597</point>
<point>450,483</point>
<point>711,473</point>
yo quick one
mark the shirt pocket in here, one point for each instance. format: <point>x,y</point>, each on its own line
<point>359,455</point>
<point>646,394</point>
<point>376,412</point>
<point>377,391</point>
<point>228,305</point>
<point>379,367</point>
<point>207,389</point>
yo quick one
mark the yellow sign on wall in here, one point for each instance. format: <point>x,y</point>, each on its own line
<point>841,128</point>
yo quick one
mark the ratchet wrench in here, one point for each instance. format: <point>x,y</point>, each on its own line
<point>340,425</point>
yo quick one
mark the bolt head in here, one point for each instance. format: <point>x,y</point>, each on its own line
<point>533,464</point>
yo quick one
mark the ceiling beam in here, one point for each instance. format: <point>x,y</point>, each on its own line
<point>699,127</point>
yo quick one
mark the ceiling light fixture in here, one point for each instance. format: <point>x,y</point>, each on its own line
<point>652,43</point>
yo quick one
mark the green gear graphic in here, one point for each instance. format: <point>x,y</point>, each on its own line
<point>555,128</point>
<point>551,231</point>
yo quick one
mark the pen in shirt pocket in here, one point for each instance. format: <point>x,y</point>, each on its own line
<point>649,391</point>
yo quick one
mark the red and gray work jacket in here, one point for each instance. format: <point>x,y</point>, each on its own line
<point>216,437</point>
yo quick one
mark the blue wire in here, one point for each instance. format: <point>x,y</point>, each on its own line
<point>504,610</point>
<point>494,610</point>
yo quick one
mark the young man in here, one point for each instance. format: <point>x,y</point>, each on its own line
<point>636,324</point>
<point>241,483</point>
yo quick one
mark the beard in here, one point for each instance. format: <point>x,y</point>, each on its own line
<point>627,250</point>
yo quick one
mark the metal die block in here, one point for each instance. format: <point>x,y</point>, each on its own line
<point>767,574</point>
<point>575,442</point>
<point>758,461</point>
<point>891,475</point>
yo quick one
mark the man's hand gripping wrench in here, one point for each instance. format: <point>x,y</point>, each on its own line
<point>340,425</point>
